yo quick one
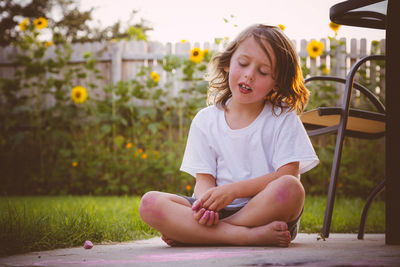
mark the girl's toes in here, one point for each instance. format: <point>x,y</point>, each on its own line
<point>284,244</point>
<point>284,239</point>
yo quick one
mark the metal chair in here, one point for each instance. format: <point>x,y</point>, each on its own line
<point>346,121</point>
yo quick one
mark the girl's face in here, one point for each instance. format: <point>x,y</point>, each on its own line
<point>251,75</point>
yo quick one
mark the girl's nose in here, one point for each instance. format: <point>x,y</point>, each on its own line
<point>249,75</point>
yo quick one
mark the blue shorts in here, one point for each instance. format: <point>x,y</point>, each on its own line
<point>224,213</point>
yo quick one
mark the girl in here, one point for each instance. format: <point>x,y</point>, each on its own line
<point>246,151</point>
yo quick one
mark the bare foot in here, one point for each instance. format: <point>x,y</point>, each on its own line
<point>170,242</point>
<point>273,234</point>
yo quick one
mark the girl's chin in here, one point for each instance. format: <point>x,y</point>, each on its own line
<point>247,100</point>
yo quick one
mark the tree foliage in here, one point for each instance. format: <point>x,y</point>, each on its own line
<point>66,19</point>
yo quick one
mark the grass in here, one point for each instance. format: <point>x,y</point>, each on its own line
<point>346,215</point>
<point>42,223</point>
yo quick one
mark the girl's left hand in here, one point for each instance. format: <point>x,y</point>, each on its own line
<point>217,198</point>
<point>203,216</point>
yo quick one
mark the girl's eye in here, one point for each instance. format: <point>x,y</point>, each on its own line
<point>263,73</point>
<point>242,63</point>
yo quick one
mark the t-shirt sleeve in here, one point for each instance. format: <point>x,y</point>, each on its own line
<point>293,144</point>
<point>198,156</point>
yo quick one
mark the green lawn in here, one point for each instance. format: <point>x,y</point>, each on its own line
<point>346,215</point>
<point>42,223</point>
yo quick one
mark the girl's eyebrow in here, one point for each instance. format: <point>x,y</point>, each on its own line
<point>247,56</point>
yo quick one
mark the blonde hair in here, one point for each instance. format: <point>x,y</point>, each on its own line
<point>291,92</point>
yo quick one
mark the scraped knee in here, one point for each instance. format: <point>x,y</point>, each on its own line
<point>149,209</point>
<point>290,189</point>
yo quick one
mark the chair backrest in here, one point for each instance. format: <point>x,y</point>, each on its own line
<point>358,123</point>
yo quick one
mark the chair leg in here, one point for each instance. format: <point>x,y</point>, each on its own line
<point>333,182</point>
<point>367,205</point>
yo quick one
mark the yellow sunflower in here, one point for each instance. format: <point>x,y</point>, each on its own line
<point>129,145</point>
<point>23,24</point>
<point>315,48</point>
<point>40,23</point>
<point>188,187</point>
<point>335,27</point>
<point>79,94</point>
<point>48,43</point>
<point>154,75</point>
<point>74,164</point>
<point>196,55</point>
<point>282,27</point>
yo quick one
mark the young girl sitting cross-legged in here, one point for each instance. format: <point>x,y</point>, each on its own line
<point>246,151</point>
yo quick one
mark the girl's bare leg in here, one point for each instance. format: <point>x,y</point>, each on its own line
<point>172,216</point>
<point>281,200</point>
<point>261,222</point>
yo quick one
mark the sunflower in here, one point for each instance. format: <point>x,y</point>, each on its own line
<point>282,27</point>
<point>40,23</point>
<point>188,187</point>
<point>74,164</point>
<point>48,43</point>
<point>335,27</point>
<point>315,48</point>
<point>79,94</point>
<point>129,145</point>
<point>154,75</point>
<point>23,24</point>
<point>196,55</point>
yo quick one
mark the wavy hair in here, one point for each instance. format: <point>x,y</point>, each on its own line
<point>291,92</point>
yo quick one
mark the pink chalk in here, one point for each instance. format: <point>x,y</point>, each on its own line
<point>88,244</point>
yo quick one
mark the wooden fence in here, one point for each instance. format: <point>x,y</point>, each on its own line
<point>122,60</point>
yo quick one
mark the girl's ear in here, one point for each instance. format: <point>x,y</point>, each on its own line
<point>226,69</point>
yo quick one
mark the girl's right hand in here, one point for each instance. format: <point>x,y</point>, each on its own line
<point>203,216</point>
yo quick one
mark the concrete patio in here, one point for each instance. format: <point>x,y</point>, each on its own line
<point>306,250</point>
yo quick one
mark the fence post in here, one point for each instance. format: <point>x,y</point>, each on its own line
<point>116,62</point>
<point>340,70</point>
<point>183,50</point>
<point>323,57</point>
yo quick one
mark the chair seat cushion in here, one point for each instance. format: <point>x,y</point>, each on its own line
<point>362,124</point>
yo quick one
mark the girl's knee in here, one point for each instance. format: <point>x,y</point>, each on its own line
<point>288,189</point>
<point>292,181</point>
<point>149,209</point>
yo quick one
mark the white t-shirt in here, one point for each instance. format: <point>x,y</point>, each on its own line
<point>262,147</point>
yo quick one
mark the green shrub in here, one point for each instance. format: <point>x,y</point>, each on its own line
<point>127,142</point>
<point>132,139</point>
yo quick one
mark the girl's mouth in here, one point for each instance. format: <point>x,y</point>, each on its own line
<point>244,88</point>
